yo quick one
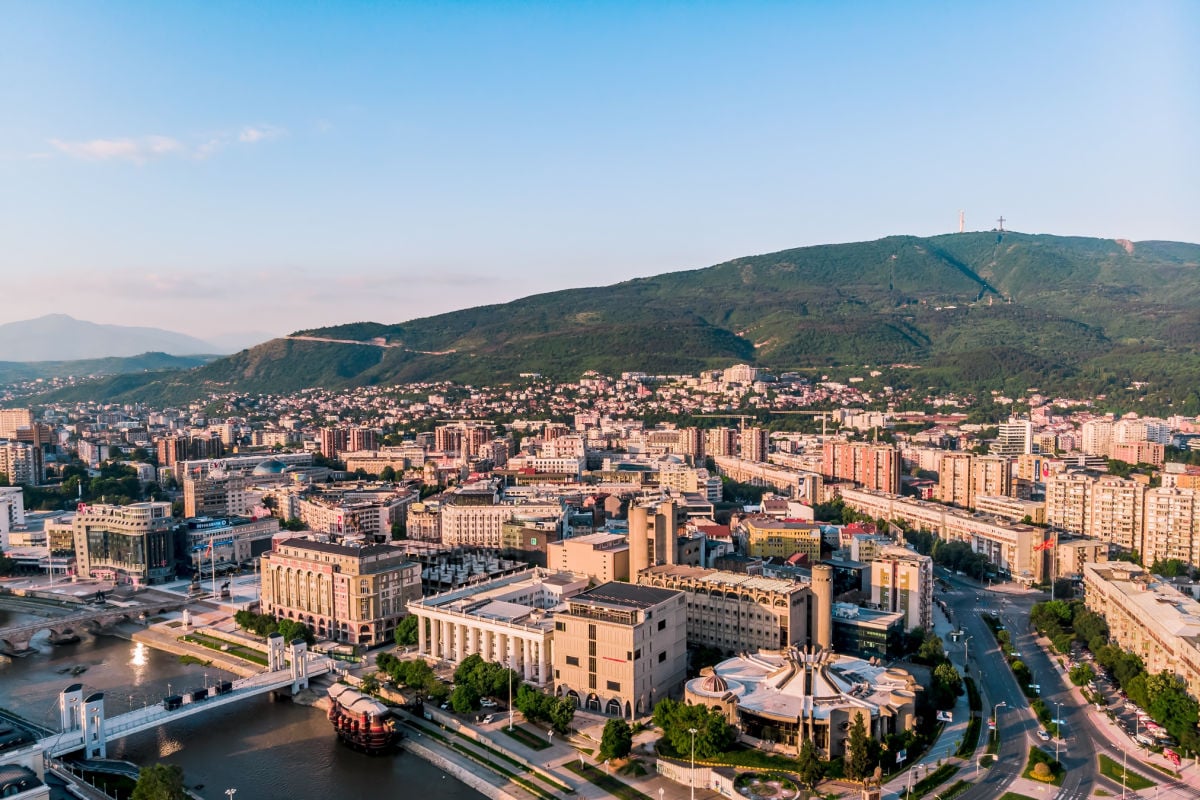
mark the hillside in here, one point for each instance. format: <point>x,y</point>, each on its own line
<point>58,337</point>
<point>15,371</point>
<point>978,309</point>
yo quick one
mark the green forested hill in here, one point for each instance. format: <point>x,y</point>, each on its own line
<point>978,309</point>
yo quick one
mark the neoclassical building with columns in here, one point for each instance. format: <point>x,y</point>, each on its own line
<point>507,620</point>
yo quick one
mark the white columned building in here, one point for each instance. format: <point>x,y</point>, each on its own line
<point>509,620</point>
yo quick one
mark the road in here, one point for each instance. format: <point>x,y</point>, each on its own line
<point>1082,737</point>
<point>1016,724</point>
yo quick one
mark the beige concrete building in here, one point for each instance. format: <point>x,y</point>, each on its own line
<point>1171,528</point>
<point>1147,617</point>
<point>991,476</point>
<point>767,538</point>
<point>508,620</point>
<point>799,484</point>
<point>348,594</point>
<point>603,557</point>
<point>476,519</point>
<point>954,479</point>
<point>902,581</point>
<point>734,612</point>
<point>620,648</point>
<point>1072,552</point>
<point>1012,508</point>
<point>217,496</point>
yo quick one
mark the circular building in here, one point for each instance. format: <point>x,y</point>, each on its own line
<point>783,697</point>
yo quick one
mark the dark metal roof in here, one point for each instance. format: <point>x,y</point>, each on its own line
<point>627,595</point>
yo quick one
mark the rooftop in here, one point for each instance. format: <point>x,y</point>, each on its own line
<point>625,595</point>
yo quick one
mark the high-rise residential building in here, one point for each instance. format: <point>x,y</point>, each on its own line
<point>22,463</point>
<point>1013,438</point>
<point>740,373</point>
<point>902,581</point>
<point>1105,507</point>
<point>755,444</point>
<point>954,479</point>
<point>620,648</point>
<point>128,544</point>
<point>362,439</point>
<point>871,466</point>
<point>348,594</point>
<point>1139,453</point>
<point>1097,437</point>
<point>333,441</point>
<point>991,475</point>
<point>13,420</point>
<point>1172,526</point>
<point>1068,501</point>
<point>720,441</point>
<point>12,510</point>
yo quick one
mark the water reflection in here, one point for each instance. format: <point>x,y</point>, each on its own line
<point>139,657</point>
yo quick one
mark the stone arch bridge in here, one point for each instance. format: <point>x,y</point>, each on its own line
<point>14,640</point>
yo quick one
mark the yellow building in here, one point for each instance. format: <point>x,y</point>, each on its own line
<point>767,538</point>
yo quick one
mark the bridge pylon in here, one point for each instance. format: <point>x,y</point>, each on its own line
<point>299,654</point>
<point>276,647</point>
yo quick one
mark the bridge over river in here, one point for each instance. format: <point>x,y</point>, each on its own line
<point>14,640</point>
<point>85,726</point>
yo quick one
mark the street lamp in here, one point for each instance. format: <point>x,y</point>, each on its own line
<point>230,793</point>
<point>996,719</point>
<point>966,639</point>
<point>692,780</point>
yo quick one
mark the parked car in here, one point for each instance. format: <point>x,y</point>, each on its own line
<point>488,702</point>
<point>488,718</point>
<point>1045,737</point>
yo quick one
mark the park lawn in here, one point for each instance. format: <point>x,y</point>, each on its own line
<point>1014,796</point>
<point>1036,756</point>
<point>1133,780</point>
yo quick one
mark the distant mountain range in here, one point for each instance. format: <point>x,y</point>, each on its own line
<point>972,310</point>
<point>15,372</point>
<point>58,337</point>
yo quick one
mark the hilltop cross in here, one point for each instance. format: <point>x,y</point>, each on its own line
<point>1001,221</point>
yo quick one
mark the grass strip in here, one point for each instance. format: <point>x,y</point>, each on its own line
<point>973,698</point>
<point>614,786</point>
<point>970,737</point>
<point>479,759</point>
<point>932,781</point>
<point>1131,780</point>
<point>236,650</point>
<point>526,738</point>
<point>1015,796</point>
<point>956,788</point>
<point>1039,756</point>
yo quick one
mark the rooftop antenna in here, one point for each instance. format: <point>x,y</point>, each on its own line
<point>1001,221</point>
<point>962,221</point>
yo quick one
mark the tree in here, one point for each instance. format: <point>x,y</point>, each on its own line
<point>947,685</point>
<point>859,762</point>
<point>1081,674</point>
<point>932,650</point>
<point>160,782</point>
<point>4,480</point>
<point>1042,771</point>
<point>388,474</point>
<point>291,630</point>
<point>464,699</point>
<point>808,765</point>
<point>406,631</point>
<point>370,683</point>
<point>714,734</point>
<point>399,531</point>
<point>617,739</point>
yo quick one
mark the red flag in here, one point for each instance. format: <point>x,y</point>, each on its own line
<point>1046,545</point>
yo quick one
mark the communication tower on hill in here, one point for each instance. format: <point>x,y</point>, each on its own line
<point>962,221</point>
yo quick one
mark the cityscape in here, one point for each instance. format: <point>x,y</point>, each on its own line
<point>572,401</point>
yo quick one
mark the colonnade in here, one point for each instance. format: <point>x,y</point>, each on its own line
<point>453,638</point>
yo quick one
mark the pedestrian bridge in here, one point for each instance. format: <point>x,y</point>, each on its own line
<point>86,728</point>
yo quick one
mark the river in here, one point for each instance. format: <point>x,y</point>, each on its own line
<point>262,748</point>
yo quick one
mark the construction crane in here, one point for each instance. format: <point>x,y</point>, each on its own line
<point>825,416</point>
<point>742,417</point>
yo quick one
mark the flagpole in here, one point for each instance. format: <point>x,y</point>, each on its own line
<point>212,549</point>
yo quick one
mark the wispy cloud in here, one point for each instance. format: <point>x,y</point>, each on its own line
<point>143,149</point>
<point>260,133</point>
<point>139,150</point>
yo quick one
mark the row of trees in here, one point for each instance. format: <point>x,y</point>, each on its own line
<point>415,675</point>
<point>1162,695</point>
<point>475,679</point>
<point>265,625</point>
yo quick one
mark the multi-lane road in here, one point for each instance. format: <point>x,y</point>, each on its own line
<point>1082,740</point>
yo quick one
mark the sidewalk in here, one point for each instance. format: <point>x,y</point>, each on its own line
<point>943,749</point>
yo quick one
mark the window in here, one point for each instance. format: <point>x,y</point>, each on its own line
<point>662,624</point>
<point>637,653</point>
<point>573,661</point>
<point>662,656</point>
<point>556,675</point>
<point>614,686</point>
<point>560,626</point>
<point>591,681</point>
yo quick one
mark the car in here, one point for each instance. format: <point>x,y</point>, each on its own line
<point>1041,734</point>
<point>488,718</point>
<point>445,706</point>
<point>488,702</point>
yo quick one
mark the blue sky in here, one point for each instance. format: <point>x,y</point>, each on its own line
<point>272,166</point>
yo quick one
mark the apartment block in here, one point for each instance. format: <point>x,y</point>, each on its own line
<point>1171,526</point>
<point>128,544</point>
<point>902,581</point>
<point>768,538</point>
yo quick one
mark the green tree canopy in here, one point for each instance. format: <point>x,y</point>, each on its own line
<point>160,782</point>
<point>859,760</point>
<point>406,631</point>
<point>617,739</point>
<point>713,733</point>
<point>808,765</point>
